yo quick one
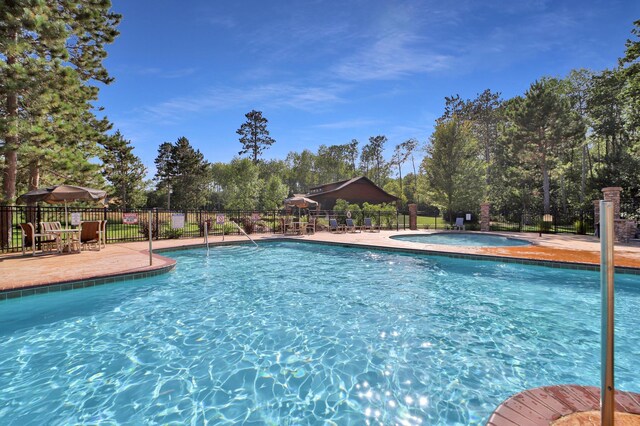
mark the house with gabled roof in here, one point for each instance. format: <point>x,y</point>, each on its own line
<point>356,191</point>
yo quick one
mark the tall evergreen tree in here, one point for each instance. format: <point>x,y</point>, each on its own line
<point>254,135</point>
<point>52,55</point>
<point>544,124</point>
<point>124,170</point>
<point>183,172</point>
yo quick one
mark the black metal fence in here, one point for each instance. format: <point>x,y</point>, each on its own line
<point>558,221</point>
<point>133,224</point>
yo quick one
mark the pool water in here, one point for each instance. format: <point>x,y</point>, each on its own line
<point>293,333</point>
<point>463,239</point>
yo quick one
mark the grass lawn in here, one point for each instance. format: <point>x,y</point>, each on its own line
<point>423,221</point>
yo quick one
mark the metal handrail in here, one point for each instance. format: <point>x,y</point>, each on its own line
<point>245,234</point>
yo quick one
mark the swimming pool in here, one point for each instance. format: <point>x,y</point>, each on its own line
<point>462,239</point>
<point>299,333</point>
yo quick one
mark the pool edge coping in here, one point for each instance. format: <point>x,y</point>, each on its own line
<point>627,270</point>
<point>55,287</point>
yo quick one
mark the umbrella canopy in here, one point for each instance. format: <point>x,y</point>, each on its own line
<point>63,193</point>
<point>301,202</point>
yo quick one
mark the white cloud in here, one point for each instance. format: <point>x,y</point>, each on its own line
<point>275,95</point>
<point>347,124</point>
<point>158,72</point>
<point>393,56</point>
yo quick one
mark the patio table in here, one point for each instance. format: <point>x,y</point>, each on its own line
<point>67,237</point>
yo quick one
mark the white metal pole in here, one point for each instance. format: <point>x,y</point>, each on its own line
<point>150,238</point>
<point>206,234</point>
<point>607,268</point>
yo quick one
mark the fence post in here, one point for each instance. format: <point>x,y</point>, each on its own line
<point>157,224</point>
<point>150,240</point>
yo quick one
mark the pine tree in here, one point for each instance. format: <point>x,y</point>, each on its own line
<point>254,135</point>
<point>52,54</point>
<point>183,172</point>
<point>124,170</point>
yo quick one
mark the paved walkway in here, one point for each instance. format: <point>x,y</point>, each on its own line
<point>17,271</point>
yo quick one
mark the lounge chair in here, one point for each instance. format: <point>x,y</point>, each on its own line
<point>369,226</point>
<point>350,226</point>
<point>91,234</point>
<point>29,239</point>
<point>459,224</point>
<point>334,227</point>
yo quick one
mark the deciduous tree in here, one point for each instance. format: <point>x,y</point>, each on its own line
<point>453,167</point>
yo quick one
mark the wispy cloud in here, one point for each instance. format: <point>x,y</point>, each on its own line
<point>347,124</point>
<point>394,56</point>
<point>223,98</point>
<point>226,22</point>
<point>159,72</point>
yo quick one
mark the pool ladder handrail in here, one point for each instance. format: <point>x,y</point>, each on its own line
<point>206,235</point>
<point>245,234</point>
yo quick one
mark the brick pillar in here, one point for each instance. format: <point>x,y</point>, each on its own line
<point>613,194</point>
<point>485,209</point>
<point>413,217</point>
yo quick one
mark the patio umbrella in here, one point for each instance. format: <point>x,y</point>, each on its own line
<point>59,194</point>
<point>300,202</point>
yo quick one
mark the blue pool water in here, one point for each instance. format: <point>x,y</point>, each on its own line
<point>462,239</point>
<point>307,334</point>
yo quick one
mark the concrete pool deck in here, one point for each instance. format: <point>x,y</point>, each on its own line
<point>20,272</point>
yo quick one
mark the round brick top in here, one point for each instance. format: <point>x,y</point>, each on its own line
<point>542,406</point>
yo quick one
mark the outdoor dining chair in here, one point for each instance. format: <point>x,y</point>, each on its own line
<point>91,234</point>
<point>31,239</point>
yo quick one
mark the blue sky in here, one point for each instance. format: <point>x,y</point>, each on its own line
<point>327,72</point>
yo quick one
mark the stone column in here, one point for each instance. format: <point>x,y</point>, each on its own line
<point>413,217</point>
<point>485,218</point>
<point>612,194</point>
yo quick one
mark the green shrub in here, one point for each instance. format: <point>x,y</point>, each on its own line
<point>173,234</point>
<point>545,226</point>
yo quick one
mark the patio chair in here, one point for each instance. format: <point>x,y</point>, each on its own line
<point>369,226</point>
<point>29,239</point>
<point>334,227</point>
<point>311,226</point>
<point>291,227</point>
<point>459,224</point>
<point>91,234</point>
<point>350,226</point>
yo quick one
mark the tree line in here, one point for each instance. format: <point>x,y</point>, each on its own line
<point>555,146</point>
